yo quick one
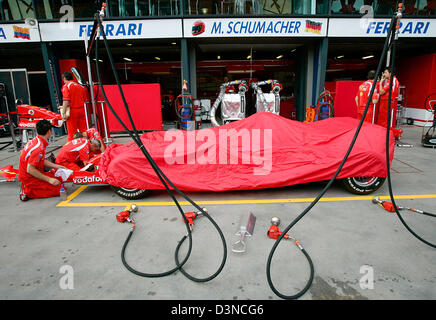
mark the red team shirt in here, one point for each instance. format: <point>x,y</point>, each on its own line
<point>385,86</point>
<point>363,93</point>
<point>384,99</point>
<point>75,94</point>
<point>34,154</point>
<point>93,134</point>
<point>362,98</point>
<point>72,152</point>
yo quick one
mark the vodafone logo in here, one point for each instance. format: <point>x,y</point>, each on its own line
<point>31,112</point>
<point>27,125</point>
<point>88,180</point>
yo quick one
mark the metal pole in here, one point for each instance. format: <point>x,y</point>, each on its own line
<point>373,112</point>
<point>11,125</point>
<point>86,115</point>
<point>104,123</point>
<point>91,85</point>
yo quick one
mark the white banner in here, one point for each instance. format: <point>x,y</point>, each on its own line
<point>22,33</point>
<point>369,27</point>
<point>126,29</point>
<point>254,27</point>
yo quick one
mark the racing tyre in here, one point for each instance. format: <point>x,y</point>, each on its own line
<point>362,185</point>
<point>130,194</point>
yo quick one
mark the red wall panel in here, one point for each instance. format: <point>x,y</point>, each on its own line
<point>418,74</point>
<point>66,64</point>
<point>144,103</point>
<point>344,103</point>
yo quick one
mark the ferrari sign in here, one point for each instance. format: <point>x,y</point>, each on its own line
<point>129,29</point>
<point>410,28</point>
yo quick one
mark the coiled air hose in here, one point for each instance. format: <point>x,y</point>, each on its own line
<point>162,177</point>
<point>186,274</point>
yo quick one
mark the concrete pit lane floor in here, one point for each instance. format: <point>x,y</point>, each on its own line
<point>71,250</point>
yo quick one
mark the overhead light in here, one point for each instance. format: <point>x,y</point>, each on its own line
<point>173,43</point>
<point>218,57</point>
<point>129,44</point>
<point>127,59</point>
<point>248,57</point>
<point>367,57</point>
<point>279,57</point>
<point>339,57</point>
<point>293,50</point>
<point>157,58</point>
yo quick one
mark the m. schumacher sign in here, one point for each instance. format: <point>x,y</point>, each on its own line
<point>254,27</point>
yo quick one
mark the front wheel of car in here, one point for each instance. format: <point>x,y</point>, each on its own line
<point>130,194</point>
<point>362,185</point>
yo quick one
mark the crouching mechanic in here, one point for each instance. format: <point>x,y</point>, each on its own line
<point>91,134</point>
<point>75,153</point>
<point>35,183</point>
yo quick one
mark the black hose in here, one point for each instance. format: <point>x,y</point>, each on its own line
<point>162,177</point>
<point>392,69</point>
<point>306,287</point>
<point>153,165</point>
<point>186,274</point>
<point>321,194</point>
<point>428,214</point>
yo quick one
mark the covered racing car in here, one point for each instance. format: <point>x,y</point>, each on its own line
<point>264,150</point>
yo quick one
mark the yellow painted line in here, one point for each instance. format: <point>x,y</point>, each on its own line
<point>240,201</point>
<point>71,196</point>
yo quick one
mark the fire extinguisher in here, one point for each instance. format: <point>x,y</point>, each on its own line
<point>185,108</point>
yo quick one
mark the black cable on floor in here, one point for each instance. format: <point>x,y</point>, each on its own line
<point>162,177</point>
<point>391,193</point>
<point>136,139</point>
<point>322,193</point>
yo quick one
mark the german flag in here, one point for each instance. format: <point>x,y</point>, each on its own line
<point>313,26</point>
<point>21,33</point>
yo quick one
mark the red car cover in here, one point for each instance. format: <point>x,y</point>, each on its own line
<point>262,151</point>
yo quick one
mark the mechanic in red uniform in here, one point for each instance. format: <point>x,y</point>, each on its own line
<point>75,153</point>
<point>362,98</point>
<point>383,92</point>
<point>94,134</point>
<point>74,97</point>
<point>35,183</point>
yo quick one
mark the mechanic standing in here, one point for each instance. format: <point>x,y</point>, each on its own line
<point>75,153</point>
<point>382,88</point>
<point>362,98</point>
<point>35,183</point>
<point>72,109</point>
